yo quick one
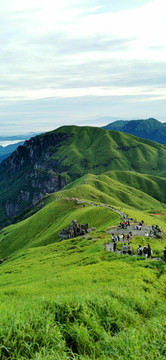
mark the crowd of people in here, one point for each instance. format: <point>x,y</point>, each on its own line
<point>146,251</point>
<point>141,251</point>
<point>126,249</point>
<point>124,224</point>
<point>122,237</point>
<point>129,223</point>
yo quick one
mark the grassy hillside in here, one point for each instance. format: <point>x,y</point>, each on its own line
<point>43,227</point>
<point>96,150</point>
<point>120,189</point>
<point>72,299</point>
<point>48,162</point>
<point>79,302</point>
<point>115,188</point>
<point>151,185</point>
<point>151,129</point>
<point>116,125</point>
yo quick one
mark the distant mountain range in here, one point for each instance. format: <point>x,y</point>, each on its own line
<point>151,129</point>
<point>17,137</point>
<point>5,151</point>
<point>48,162</point>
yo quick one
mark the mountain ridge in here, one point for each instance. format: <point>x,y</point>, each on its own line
<point>75,298</point>
<point>151,128</point>
<point>48,162</point>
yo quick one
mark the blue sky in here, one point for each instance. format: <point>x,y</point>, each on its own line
<point>80,62</point>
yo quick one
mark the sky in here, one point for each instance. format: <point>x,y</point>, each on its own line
<point>82,62</point>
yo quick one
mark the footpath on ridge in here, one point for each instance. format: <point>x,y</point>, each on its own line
<point>134,229</point>
<point>144,230</point>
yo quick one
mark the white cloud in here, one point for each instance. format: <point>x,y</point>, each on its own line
<point>75,48</point>
<point>82,92</point>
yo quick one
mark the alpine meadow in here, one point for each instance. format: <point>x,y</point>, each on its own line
<point>83,180</point>
<point>68,293</point>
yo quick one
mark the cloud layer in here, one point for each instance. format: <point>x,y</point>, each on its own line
<point>75,51</point>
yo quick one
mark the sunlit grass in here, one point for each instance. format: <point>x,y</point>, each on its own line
<point>73,299</point>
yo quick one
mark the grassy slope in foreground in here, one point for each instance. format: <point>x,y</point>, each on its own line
<point>83,303</point>
<point>42,228</point>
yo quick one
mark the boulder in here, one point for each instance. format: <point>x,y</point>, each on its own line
<point>74,230</point>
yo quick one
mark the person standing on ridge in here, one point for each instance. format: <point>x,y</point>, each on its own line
<point>139,250</point>
<point>114,245</point>
<point>149,251</point>
<point>145,251</point>
<point>124,249</point>
<point>129,249</point>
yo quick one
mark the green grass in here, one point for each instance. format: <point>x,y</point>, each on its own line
<point>43,227</point>
<point>120,188</point>
<point>68,153</point>
<point>151,185</point>
<point>149,129</point>
<point>84,303</point>
<point>73,300</point>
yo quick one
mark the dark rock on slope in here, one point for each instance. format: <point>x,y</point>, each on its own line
<point>29,173</point>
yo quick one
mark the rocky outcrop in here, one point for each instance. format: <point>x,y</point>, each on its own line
<point>74,230</point>
<point>12,209</point>
<point>24,200</point>
<point>36,152</point>
<point>47,181</point>
<point>39,184</point>
<point>34,171</point>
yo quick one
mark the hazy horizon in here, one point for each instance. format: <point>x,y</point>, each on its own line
<point>6,139</point>
<point>77,62</point>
